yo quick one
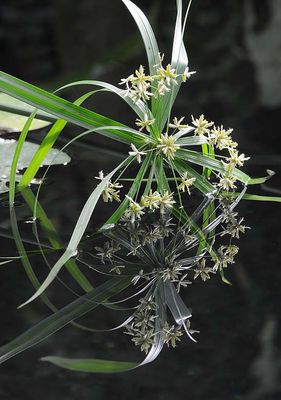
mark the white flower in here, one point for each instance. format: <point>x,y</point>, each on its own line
<point>144,340</point>
<point>227,182</point>
<point>145,123</point>
<point>221,138</point>
<point>161,58</point>
<point>187,74</point>
<point>117,269</point>
<point>202,270</point>
<point>101,175</point>
<point>135,211</point>
<point>234,228</point>
<point>127,82</point>
<point>162,89</point>
<point>236,159</point>
<point>202,125</point>
<point>171,334</point>
<point>166,201</point>
<point>111,190</point>
<point>225,256</point>
<point>186,183</point>
<point>138,85</point>
<point>107,252</point>
<point>136,278</point>
<point>136,153</point>
<point>177,124</point>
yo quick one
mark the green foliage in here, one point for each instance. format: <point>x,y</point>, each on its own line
<point>178,160</point>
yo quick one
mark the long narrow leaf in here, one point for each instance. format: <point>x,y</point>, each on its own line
<point>78,232</point>
<point>179,62</point>
<point>210,162</point>
<point>254,197</point>
<point>137,106</point>
<point>201,182</point>
<point>64,316</point>
<point>11,105</point>
<point>16,158</point>
<point>192,141</point>
<point>45,146</point>
<point>62,108</point>
<point>53,238</point>
<point>147,34</point>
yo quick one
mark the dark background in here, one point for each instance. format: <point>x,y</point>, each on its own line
<point>235,47</point>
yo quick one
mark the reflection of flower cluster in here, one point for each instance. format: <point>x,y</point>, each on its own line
<point>166,256</point>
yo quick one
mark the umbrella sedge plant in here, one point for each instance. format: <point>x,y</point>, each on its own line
<point>177,158</point>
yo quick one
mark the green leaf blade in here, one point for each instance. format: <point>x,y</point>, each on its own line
<point>62,108</point>
<point>90,365</point>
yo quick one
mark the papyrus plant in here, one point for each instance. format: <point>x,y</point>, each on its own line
<point>176,156</point>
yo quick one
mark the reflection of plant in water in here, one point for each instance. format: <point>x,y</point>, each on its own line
<point>169,173</point>
<point>167,257</point>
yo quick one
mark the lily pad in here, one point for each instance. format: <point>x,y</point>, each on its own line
<point>7,150</point>
<point>14,114</point>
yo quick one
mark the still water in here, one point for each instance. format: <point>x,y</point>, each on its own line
<point>237,355</point>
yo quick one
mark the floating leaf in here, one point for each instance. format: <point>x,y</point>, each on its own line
<point>7,150</point>
<point>14,114</point>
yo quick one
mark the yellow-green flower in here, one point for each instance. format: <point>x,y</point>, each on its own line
<point>235,158</point>
<point>168,75</point>
<point>186,183</point>
<point>168,146</point>
<point>166,201</point>
<point>135,211</point>
<point>111,191</point>
<point>227,182</point>
<point>145,123</point>
<point>201,125</point>
<point>152,200</point>
<point>221,138</point>
<point>138,85</point>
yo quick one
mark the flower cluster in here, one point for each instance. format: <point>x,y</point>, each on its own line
<point>152,201</point>
<point>168,146</point>
<point>140,86</point>
<point>112,190</point>
<point>220,138</point>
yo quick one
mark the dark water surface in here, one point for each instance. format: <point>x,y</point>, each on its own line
<point>238,354</point>
<point>238,351</point>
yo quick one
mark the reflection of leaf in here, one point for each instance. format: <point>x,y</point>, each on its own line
<point>3,187</point>
<point>50,325</point>
<point>90,365</point>
<point>14,113</point>
<point>7,149</point>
